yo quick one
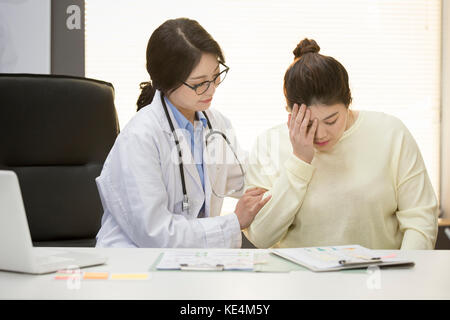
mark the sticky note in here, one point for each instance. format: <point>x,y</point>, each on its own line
<point>68,274</point>
<point>96,275</point>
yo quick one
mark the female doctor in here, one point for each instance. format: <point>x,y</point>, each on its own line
<point>156,187</point>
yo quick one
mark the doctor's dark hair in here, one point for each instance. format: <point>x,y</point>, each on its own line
<point>314,78</point>
<point>173,51</point>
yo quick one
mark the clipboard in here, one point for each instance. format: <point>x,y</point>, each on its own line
<point>334,258</point>
<point>263,262</point>
<point>205,260</point>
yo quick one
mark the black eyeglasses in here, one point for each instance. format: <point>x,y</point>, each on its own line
<point>201,88</point>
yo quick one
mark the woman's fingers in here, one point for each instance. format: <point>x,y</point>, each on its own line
<point>312,130</point>
<point>305,124</point>
<point>258,201</point>
<point>292,116</point>
<point>298,120</point>
<point>255,191</point>
<point>262,202</point>
<point>251,189</point>
<point>301,133</point>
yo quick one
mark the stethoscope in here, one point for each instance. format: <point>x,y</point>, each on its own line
<point>185,205</point>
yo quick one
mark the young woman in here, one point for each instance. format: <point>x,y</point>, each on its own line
<point>156,188</point>
<point>338,176</point>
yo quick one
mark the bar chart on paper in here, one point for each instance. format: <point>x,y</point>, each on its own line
<point>338,257</point>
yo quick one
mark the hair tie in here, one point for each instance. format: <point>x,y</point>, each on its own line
<point>144,84</point>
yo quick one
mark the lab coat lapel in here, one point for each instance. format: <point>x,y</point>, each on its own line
<point>210,173</point>
<point>190,167</point>
<point>211,169</point>
<point>188,160</point>
<point>210,166</point>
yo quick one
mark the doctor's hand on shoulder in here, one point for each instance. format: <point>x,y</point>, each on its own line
<point>249,205</point>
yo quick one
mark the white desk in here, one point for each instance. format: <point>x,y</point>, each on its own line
<point>428,279</point>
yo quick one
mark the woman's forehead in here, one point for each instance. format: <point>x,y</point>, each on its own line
<point>207,65</point>
<point>322,111</point>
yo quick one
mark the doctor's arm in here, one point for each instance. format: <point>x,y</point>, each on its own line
<point>135,192</point>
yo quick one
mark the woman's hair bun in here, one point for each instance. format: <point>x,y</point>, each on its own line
<point>306,46</point>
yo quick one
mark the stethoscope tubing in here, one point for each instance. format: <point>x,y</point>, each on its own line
<point>180,155</point>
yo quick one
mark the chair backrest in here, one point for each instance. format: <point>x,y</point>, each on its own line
<point>55,133</point>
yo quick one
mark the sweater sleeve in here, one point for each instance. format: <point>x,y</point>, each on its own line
<point>287,185</point>
<point>417,210</point>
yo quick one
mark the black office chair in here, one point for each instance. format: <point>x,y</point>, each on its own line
<point>55,133</point>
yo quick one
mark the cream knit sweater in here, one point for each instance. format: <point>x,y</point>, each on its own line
<point>371,189</point>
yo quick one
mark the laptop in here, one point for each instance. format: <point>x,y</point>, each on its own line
<point>16,248</point>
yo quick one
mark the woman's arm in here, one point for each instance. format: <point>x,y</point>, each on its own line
<point>287,185</point>
<point>417,211</point>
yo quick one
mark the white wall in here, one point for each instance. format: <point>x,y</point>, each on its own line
<point>25,36</point>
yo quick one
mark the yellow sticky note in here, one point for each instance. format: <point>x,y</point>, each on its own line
<point>129,276</point>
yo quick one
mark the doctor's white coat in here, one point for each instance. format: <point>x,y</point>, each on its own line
<point>141,191</point>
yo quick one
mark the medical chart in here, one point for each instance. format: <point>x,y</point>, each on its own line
<point>203,260</point>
